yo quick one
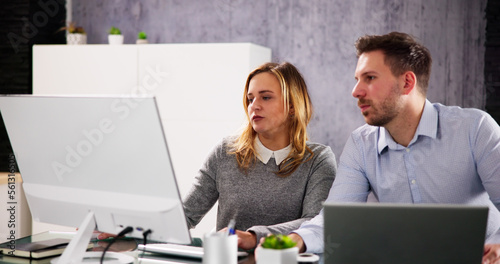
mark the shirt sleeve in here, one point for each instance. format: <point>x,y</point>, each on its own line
<point>350,185</point>
<point>203,194</point>
<point>494,239</point>
<point>486,152</point>
<point>311,233</point>
<point>320,181</point>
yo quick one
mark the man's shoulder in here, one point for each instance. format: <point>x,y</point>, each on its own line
<point>453,113</point>
<point>447,110</point>
<point>365,131</point>
<point>365,136</point>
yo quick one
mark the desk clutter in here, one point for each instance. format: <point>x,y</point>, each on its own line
<point>151,253</point>
<point>194,254</point>
<point>26,248</point>
<point>220,248</point>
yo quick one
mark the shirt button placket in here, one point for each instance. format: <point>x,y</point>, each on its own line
<point>410,171</point>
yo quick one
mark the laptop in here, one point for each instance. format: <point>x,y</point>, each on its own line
<point>404,233</point>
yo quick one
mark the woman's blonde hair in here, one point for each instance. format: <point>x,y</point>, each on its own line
<point>294,94</point>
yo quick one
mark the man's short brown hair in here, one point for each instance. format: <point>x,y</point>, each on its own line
<point>402,53</point>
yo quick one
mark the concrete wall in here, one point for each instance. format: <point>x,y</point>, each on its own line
<point>317,36</point>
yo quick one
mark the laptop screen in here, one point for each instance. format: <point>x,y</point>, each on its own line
<point>403,233</point>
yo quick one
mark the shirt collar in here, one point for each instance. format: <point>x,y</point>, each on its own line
<point>426,127</point>
<point>264,154</point>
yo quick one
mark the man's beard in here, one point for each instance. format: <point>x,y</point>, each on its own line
<point>385,112</point>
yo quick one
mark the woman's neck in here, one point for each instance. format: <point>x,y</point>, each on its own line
<point>274,143</point>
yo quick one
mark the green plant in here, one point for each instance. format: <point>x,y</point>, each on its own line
<point>114,31</point>
<point>73,29</point>
<point>278,242</point>
<point>142,35</point>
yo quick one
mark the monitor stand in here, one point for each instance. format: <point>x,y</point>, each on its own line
<point>76,251</point>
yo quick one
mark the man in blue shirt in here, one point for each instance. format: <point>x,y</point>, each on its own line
<point>410,150</point>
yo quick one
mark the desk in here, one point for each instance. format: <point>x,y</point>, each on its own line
<point>125,246</point>
<point>151,258</point>
<point>128,245</point>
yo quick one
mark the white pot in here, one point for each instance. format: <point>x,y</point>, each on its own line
<point>115,39</point>
<point>141,41</point>
<point>277,256</point>
<point>76,39</point>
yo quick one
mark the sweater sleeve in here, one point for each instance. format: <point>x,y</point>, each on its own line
<point>321,176</point>
<point>204,192</point>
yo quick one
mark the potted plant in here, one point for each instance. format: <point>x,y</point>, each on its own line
<point>115,36</point>
<point>142,38</point>
<point>277,249</point>
<point>76,35</point>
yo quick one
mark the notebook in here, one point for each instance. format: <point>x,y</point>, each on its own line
<point>35,250</point>
<point>404,233</point>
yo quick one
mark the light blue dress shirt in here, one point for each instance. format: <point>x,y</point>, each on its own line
<point>454,158</point>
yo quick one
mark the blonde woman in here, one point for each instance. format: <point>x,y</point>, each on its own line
<point>269,179</point>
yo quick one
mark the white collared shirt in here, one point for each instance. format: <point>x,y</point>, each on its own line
<point>264,154</point>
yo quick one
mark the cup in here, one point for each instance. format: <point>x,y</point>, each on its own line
<point>220,248</point>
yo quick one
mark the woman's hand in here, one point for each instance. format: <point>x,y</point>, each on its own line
<point>103,236</point>
<point>246,240</point>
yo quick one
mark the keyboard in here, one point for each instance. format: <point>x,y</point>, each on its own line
<point>178,250</point>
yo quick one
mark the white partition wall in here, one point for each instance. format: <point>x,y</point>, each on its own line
<point>199,88</point>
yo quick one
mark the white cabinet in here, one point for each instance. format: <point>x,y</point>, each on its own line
<point>199,88</point>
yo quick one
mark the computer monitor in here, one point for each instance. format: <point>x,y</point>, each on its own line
<point>96,163</point>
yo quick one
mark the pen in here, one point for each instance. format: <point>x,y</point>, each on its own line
<point>230,227</point>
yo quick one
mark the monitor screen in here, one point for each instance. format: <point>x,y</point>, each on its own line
<point>106,155</point>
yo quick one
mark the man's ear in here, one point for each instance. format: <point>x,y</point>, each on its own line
<point>410,82</point>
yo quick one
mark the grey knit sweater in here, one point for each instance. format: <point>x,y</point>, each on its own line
<point>261,201</point>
